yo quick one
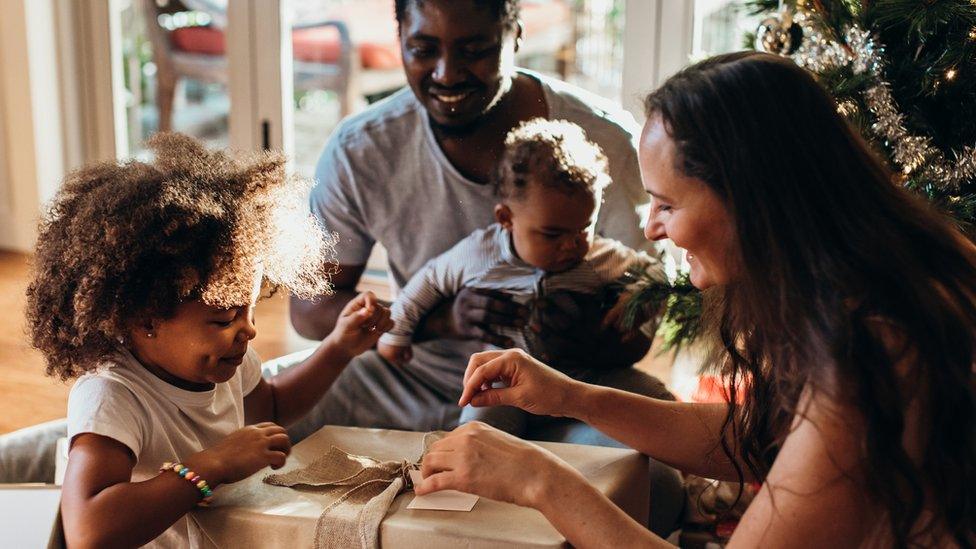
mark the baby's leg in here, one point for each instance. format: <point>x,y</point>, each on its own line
<point>506,418</point>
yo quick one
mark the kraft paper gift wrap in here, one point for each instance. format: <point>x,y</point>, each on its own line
<point>251,513</point>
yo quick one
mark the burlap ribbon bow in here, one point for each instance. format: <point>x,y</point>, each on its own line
<point>365,487</point>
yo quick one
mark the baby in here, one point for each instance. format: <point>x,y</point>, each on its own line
<point>146,277</point>
<point>550,183</point>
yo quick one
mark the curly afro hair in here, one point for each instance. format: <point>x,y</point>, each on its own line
<point>554,153</point>
<point>131,240</point>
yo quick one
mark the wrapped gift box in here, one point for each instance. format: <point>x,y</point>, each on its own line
<point>251,513</point>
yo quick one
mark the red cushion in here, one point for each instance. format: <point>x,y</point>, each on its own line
<point>317,45</point>
<point>204,40</point>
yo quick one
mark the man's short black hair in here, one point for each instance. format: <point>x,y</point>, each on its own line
<point>506,11</point>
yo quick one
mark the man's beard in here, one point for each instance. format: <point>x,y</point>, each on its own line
<point>456,131</point>
<point>466,129</point>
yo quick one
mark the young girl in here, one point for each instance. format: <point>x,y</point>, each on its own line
<point>146,279</point>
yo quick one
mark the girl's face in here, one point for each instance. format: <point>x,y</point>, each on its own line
<point>199,345</point>
<point>686,210</point>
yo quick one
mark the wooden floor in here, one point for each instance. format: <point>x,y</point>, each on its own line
<point>27,396</point>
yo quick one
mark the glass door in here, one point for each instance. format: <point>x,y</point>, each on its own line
<point>174,64</point>
<point>721,27</point>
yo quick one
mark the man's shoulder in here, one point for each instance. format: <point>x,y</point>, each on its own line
<point>395,115</point>
<point>601,118</point>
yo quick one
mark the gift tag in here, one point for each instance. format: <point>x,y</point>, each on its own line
<point>444,500</point>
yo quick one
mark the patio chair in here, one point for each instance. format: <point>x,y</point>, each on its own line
<point>352,49</point>
<point>324,54</point>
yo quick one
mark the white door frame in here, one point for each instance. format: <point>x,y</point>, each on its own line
<point>658,37</point>
<point>259,65</point>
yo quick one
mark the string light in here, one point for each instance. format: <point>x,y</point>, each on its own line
<point>950,74</point>
<point>846,108</point>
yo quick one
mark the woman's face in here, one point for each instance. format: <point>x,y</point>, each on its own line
<point>685,210</point>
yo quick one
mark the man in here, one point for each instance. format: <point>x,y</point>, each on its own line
<point>411,172</point>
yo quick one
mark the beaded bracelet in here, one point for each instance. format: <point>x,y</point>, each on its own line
<point>206,493</point>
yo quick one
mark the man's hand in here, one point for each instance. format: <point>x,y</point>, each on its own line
<point>474,314</point>
<point>477,312</point>
<point>573,330</point>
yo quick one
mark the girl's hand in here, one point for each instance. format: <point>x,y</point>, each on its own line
<point>394,354</point>
<point>242,453</point>
<point>481,460</point>
<point>360,325</point>
<point>530,384</point>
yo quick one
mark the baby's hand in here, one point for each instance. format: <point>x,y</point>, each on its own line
<point>394,353</point>
<point>360,325</point>
<point>242,453</point>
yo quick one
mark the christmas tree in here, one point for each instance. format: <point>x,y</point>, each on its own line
<point>903,72</point>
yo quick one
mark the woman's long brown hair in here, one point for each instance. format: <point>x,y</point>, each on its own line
<point>830,248</point>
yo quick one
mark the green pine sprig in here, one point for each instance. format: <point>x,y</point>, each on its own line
<point>675,308</point>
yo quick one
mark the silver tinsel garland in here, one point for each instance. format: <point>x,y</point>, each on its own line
<point>912,153</point>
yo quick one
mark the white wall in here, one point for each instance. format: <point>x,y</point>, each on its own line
<point>31,137</point>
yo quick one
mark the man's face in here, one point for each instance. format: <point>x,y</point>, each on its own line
<point>458,58</point>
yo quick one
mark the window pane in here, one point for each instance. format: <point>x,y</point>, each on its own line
<point>600,47</point>
<point>175,70</point>
<point>345,55</point>
<point>720,26</point>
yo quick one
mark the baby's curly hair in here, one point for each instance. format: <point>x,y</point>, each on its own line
<point>554,153</point>
<point>130,240</point>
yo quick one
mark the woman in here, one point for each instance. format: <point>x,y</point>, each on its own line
<point>844,309</point>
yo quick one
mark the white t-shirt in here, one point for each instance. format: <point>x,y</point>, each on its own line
<point>157,421</point>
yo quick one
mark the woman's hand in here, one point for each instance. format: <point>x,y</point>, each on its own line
<point>530,384</point>
<point>481,460</point>
<point>242,453</point>
<point>360,325</point>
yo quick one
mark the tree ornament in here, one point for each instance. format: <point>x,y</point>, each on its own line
<point>779,34</point>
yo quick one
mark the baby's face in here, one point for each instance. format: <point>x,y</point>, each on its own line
<point>551,230</point>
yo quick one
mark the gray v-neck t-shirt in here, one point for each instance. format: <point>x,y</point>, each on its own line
<point>384,178</point>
